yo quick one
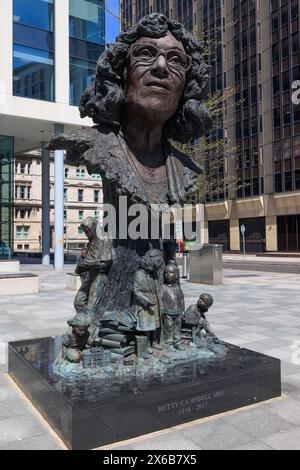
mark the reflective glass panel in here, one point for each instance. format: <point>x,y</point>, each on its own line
<point>85,50</point>
<point>87,20</point>
<point>28,36</point>
<point>33,73</point>
<point>81,76</point>
<point>36,13</point>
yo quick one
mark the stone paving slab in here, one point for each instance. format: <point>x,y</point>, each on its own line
<point>256,310</point>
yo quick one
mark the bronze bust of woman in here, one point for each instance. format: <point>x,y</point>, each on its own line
<point>148,89</point>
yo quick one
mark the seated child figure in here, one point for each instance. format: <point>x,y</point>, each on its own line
<point>195,317</point>
<point>77,339</point>
<point>173,307</point>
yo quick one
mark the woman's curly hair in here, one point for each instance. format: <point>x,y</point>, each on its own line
<point>103,100</point>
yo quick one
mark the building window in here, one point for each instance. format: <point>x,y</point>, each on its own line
<point>22,192</point>
<point>22,232</point>
<point>23,168</point>
<point>87,42</point>
<point>19,232</point>
<point>36,13</point>
<point>24,214</point>
<point>81,76</point>
<point>80,231</point>
<point>96,196</point>
<point>33,49</point>
<point>80,215</point>
<point>96,215</point>
<point>80,195</point>
<point>66,172</point>
<point>80,173</point>
<point>85,18</point>
<point>96,177</point>
<point>33,73</point>
<point>65,215</point>
<point>65,194</point>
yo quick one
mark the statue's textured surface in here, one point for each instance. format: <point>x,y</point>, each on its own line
<point>149,88</point>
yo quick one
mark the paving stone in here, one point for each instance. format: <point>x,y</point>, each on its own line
<point>170,441</point>
<point>41,442</point>
<point>258,422</point>
<point>217,436</point>
<point>253,445</point>
<point>17,428</point>
<point>288,409</point>
<point>14,406</point>
<point>285,440</point>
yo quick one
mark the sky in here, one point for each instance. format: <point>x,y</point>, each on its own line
<point>112,18</point>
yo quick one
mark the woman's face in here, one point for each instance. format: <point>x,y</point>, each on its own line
<point>155,77</point>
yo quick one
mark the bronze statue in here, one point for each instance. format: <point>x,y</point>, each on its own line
<point>173,307</point>
<point>77,339</point>
<point>147,298</point>
<point>149,88</point>
<point>80,258</point>
<point>95,264</point>
<point>195,318</point>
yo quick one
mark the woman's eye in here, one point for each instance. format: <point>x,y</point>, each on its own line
<point>144,53</point>
<point>175,59</point>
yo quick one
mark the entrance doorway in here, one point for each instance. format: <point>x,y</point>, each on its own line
<point>255,234</point>
<point>219,233</point>
<point>288,230</point>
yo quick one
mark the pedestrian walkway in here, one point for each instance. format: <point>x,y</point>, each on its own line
<point>256,310</point>
<point>261,259</point>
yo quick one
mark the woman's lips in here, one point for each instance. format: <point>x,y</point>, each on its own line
<point>158,85</point>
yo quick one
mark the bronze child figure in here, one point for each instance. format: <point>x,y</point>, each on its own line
<point>173,307</point>
<point>194,318</point>
<point>147,301</point>
<point>95,265</point>
<point>77,338</point>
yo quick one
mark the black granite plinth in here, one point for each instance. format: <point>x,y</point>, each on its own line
<point>98,412</point>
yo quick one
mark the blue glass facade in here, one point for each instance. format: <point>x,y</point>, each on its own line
<point>87,42</point>
<point>35,13</point>
<point>6,196</point>
<point>33,67</point>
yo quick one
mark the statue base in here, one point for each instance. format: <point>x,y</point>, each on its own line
<point>95,411</point>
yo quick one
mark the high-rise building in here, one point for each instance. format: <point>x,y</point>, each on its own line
<point>181,10</point>
<point>257,45</point>
<point>48,57</point>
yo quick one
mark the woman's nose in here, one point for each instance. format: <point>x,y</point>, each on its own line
<point>160,66</point>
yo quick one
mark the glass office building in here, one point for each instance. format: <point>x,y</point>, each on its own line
<point>87,42</point>
<point>33,49</point>
<point>6,197</point>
